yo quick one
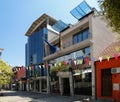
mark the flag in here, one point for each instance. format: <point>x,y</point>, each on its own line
<point>52,48</point>
<point>108,57</point>
<point>116,56</point>
<point>81,61</point>
<point>100,58</point>
<point>60,42</point>
<point>87,60</point>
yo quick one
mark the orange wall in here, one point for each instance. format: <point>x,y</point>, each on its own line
<point>21,73</point>
<point>112,63</point>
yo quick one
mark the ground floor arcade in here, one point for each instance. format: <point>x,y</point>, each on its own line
<point>38,84</point>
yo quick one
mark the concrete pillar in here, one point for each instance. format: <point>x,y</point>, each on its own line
<point>34,86</point>
<point>48,85</point>
<point>48,78</point>
<point>71,85</point>
<point>30,86</point>
<point>40,90</point>
<point>61,85</point>
<point>27,85</point>
<point>93,83</point>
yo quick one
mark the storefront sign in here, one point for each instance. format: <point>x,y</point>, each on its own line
<point>116,86</point>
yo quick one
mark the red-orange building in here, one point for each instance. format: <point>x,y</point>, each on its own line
<point>20,78</point>
<point>21,73</point>
<point>108,77</point>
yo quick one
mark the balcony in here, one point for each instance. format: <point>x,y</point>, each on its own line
<point>68,48</point>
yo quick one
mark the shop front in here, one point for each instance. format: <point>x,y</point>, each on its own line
<point>82,81</point>
<point>66,83</point>
<point>108,79</point>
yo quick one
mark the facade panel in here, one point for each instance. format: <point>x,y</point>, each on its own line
<point>35,47</point>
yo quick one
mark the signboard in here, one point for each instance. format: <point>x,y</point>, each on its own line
<point>116,86</point>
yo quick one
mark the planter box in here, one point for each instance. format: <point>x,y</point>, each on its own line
<point>64,74</point>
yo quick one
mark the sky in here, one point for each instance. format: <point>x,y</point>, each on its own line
<point>16,16</point>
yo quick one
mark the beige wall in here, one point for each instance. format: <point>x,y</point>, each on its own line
<point>102,36</point>
<point>51,35</point>
<point>67,36</point>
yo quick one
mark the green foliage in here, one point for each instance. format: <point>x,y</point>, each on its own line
<point>36,73</point>
<point>62,66</point>
<point>111,10</point>
<point>5,73</point>
<point>53,71</point>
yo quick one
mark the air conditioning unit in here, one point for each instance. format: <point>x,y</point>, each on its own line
<point>115,70</point>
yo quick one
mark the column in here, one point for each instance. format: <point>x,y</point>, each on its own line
<point>71,85</point>
<point>27,86</point>
<point>93,83</point>
<point>61,85</point>
<point>48,79</point>
<point>48,85</point>
<point>34,85</point>
<point>40,85</point>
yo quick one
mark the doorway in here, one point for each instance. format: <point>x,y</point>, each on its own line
<point>37,85</point>
<point>66,86</point>
<point>106,82</point>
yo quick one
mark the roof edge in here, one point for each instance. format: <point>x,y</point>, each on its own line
<point>37,22</point>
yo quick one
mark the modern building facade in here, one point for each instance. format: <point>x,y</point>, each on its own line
<point>108,74</point>
<point>37,34</point>
<point>83,41</point>
<point>77,46</point>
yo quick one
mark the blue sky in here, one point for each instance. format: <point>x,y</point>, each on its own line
<point>16,16</point>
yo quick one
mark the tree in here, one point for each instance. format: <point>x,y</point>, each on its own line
<point>5,73</point>
<point>111,10</point>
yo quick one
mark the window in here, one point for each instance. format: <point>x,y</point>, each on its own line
<point>87,51</point>
<point>85,35</point>
<point>80,53</point>
<point>75,39</point>
<point>81,36</point>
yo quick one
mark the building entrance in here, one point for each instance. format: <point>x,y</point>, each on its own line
<point>66,86</point>
<point>37,85</point>
<point>106,82</point>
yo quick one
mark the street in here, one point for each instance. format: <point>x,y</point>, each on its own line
<point>23,96</point>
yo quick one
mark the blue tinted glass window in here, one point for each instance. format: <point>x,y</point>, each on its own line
<point>85,7</point>
<point>85,34</point>
<point>87,51</point>
<point>76,14</point>
<point>59,26</point>
<point>75,39</point>
<point>80,37</point>
<point>81,10</point>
